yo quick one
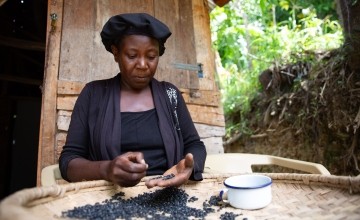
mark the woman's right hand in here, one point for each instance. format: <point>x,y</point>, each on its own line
<point>127,169</point>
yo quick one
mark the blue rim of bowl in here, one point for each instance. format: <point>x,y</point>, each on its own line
<point>249,187</point>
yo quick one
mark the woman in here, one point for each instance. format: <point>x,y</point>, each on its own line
<point>132,125</point>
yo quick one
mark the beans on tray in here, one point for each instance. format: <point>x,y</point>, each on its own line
<point>167,177</point>
<point>166,203</point>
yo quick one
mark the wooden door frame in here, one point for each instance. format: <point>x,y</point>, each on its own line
<point>46,153</point>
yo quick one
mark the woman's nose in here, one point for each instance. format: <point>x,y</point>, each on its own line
<point>142,62</point>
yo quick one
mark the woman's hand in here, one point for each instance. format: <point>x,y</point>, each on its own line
<point>127,169</point>
<point>182,172</point>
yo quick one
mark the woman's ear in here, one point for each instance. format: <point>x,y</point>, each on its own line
<point>115,52</point>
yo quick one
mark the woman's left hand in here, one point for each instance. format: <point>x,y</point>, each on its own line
<point>182,172</point>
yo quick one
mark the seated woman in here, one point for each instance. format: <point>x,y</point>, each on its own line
<point>132,125</point>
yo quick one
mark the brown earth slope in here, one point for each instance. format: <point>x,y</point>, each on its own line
<point>309,112</point>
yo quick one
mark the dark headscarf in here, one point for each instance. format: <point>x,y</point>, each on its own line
<point>134,23</point>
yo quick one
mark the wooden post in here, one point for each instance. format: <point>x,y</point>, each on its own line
<point>46,154</point>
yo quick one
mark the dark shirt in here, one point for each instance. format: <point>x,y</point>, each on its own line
<point>96,125</point>
<point>140,132</point>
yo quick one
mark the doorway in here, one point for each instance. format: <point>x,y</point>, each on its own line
<point>22,55</point>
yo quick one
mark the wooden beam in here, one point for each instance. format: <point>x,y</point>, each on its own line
<point>204,53</point>
<point>46,152</point>
<point>23,80</point>
<point>207,115</point>
<point>22,44</point>
<point>69,87</point>
<point>2,2</point>
<point>28,58</point>
<point>221,3</point>
<point>66,102</point>
<point>199,97</point>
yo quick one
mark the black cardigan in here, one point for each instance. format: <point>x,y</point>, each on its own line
<point>94,131</point>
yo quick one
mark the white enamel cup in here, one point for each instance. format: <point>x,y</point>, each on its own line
<point>248,191</point>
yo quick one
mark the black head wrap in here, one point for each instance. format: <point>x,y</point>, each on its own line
<point>134,23</point>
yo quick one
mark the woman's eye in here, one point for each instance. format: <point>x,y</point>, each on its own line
<point>132,56</point>
<point>152,57</point>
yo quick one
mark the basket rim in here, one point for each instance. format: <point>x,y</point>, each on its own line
<point>26,197</point>
<point>350,183</point>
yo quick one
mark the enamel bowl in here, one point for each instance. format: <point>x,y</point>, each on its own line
<point>248,191</point>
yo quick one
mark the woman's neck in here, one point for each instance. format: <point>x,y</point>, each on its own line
<point>136,100</point>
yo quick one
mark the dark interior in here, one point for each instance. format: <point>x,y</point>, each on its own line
<point>22,52</point>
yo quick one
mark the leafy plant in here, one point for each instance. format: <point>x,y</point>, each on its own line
<point>252,35</point>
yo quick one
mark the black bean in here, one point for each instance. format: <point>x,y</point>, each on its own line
<point>228,216</point>
<point>163,177</point>
<point>157,177</point>
<point>168,176</point>
<point>163,204</point>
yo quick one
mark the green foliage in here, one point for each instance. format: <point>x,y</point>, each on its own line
<point>252,35</point>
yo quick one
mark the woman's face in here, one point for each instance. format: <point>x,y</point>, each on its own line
<point>138,57</point>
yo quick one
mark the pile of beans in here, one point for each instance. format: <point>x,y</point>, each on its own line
<point>166,203</point>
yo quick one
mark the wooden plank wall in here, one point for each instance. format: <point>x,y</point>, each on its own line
<point>83,58</point>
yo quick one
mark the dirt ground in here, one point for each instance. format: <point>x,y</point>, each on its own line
<point>307,111</point>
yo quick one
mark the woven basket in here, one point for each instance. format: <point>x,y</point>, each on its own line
<point>295,196</point>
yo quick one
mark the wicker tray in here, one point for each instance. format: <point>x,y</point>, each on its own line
<point>295,196</point>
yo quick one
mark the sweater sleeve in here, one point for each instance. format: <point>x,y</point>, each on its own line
<point>191,138</point>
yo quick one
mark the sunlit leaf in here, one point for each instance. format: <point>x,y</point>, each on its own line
<point>248,43</point>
